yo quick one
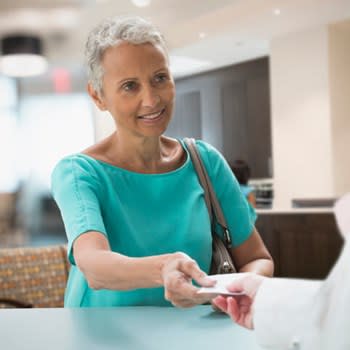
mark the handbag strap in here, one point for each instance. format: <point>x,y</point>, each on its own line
<point>211,200</point>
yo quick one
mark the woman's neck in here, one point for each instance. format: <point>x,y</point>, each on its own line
<point>142,154</point>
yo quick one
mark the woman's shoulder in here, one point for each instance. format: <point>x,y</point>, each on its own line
<point>205,146</point>
<point>209,152</point>
<point>76,164</point>
<point>80,160</point>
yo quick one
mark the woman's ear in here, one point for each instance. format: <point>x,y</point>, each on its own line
<point>96,97</point>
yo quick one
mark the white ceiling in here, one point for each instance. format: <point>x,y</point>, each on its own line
<point>231,30</point>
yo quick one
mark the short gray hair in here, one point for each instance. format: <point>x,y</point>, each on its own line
<point>112,31</point>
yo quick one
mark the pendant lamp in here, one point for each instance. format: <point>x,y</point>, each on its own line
<point>21,56</point>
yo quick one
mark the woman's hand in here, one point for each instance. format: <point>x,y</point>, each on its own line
<point>177,274</point>
<point>239,307</point>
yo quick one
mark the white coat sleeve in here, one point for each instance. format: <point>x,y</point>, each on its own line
<point>281,307</point>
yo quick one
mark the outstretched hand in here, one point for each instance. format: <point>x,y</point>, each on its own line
<point>178,274</point>
<point>240,307</point>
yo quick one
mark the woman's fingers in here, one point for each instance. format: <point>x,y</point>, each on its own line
<point>178,274</point>
<point>179,288</point>
<point>191,269</point>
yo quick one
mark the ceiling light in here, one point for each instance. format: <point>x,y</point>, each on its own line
<point>141,3</point>
<point>276,12</point>
<point>202,35</point>
<point>21,56</point>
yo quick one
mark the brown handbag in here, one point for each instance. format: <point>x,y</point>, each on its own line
<point>222,261</point>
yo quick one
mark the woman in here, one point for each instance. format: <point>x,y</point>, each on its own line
<point>133,209</point>
<point>294,313</point>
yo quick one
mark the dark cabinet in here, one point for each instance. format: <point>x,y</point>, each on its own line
<point>303,245</point>
<point>235,123</point>
<point>246,123</point>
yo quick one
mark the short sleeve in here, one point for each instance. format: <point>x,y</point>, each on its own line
<point>239,214</point>
<point>75,189</point>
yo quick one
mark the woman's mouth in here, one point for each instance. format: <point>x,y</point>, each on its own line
<point>152,116</point>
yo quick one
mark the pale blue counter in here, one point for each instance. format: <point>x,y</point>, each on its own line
<point>144,328</point>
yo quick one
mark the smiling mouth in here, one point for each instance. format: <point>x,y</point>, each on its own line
<point>152,116</point>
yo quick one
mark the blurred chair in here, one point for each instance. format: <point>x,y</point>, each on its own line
<point>12,233</point>
<point>7,211</point>
<point>33,277</point>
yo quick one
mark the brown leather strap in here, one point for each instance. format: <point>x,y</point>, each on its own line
<point>200,173</point>
<point>211,200</point>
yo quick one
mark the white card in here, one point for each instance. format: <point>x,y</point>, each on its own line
<point>222,281</point>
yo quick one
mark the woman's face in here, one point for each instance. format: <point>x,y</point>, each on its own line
<point>137,89</point>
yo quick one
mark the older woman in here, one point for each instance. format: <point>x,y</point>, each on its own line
<point>135,216</point>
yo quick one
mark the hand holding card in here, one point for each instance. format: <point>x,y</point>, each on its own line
<point>222,281</point>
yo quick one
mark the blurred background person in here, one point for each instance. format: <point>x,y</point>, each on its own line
<point>241,170</point>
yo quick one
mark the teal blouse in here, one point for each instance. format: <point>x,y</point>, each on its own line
<point>143,215</point>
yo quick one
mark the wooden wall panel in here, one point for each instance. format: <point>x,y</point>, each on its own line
<point>234,112</point>
<point>302,245</point>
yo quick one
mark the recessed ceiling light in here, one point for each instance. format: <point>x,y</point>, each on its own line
<point>276,12</point>
<point>141,3</point>
<point>202,35</point>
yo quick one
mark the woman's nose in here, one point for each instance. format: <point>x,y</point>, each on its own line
<point>150,97</point>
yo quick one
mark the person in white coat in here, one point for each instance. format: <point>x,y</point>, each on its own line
<point>294,313</point>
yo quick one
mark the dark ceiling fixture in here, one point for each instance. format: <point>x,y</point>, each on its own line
<point>21,56</point>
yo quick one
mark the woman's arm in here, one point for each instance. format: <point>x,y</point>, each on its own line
<point>252,256</point>
<point>104,269</point>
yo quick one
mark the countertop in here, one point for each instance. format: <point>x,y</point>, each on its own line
<point>125,328</point>
<point>295,211</point>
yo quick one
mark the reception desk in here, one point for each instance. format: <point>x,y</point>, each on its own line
<point>304,243</point>
<point>127,328</point>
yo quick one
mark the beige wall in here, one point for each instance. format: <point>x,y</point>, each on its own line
<point>300,116</point>
<point>339,77</point>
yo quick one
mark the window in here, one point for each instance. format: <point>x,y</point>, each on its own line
<point>51,127</point>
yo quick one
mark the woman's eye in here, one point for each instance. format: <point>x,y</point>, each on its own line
<point>160,78</point>
<point>129,86</point>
